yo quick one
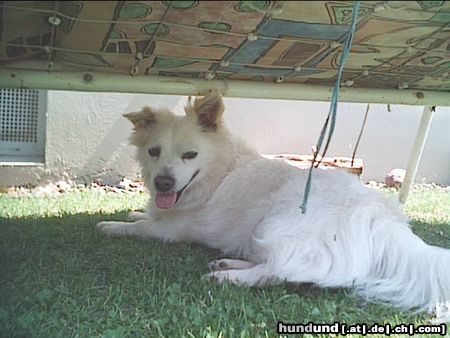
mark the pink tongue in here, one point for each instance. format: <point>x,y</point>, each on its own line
<point>166,200</point>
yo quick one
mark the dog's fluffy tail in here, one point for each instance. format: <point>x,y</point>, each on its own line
<point>406,271</point>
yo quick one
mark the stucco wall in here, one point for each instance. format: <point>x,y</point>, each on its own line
<point>87,136</point>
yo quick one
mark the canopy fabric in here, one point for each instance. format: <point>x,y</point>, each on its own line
<point>397,44</point>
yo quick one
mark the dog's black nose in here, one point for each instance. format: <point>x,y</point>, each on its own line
<point>164,183</point>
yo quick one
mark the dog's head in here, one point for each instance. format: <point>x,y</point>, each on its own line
<point>176,152</point>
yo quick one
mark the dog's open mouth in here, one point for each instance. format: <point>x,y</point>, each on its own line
<point>167,200</point>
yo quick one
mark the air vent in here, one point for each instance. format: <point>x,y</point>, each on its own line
<point>22,125</point>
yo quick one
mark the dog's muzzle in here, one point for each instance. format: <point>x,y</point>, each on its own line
<point>166,198</point>
<point>164,183</point>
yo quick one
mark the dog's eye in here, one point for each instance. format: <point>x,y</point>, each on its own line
<point>154,152</point>
<point>189,155</point>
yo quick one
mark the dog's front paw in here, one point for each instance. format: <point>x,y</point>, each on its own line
<point>136,216</point>
<point>113,228</point>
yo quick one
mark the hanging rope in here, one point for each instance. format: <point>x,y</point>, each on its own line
<point>360,133</point>
<point>330,122</point>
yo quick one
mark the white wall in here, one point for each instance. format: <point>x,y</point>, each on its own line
<point>87,136</point>
<point>294,126</point>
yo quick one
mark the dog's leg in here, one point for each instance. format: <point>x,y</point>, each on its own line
<point>136,216</point>
<point>229,264</point>
<point>256,275</point>
<point>141,228</point>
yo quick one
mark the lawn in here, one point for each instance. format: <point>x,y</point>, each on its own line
<point>60,277</point>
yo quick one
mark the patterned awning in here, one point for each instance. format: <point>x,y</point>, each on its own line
<point>397,44</point>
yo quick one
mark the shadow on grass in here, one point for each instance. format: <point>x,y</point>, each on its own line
<point>66,261</point>
<point>433,233</point>
<point>61,277</point>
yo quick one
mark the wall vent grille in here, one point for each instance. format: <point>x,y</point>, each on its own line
<point>22,124</point>
<point>19,112</point>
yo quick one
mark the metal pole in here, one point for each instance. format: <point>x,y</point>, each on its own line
<point>416,153</point>
<point>104,82</point>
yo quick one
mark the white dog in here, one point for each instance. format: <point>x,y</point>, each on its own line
<point>210,188</point>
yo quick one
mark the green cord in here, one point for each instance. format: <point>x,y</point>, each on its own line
<point>332,114</point>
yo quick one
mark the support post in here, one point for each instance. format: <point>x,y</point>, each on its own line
<point>152,84</point>
<point>416,153</point>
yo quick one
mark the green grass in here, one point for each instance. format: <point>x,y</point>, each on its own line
<point>59,277</point>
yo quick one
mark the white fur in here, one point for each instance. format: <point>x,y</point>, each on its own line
<point>248,207</point>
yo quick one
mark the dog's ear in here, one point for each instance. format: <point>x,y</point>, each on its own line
<point>208,109</point>
<point>142,119</point>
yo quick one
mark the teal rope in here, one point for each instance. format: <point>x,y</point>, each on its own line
<point>332,114</point>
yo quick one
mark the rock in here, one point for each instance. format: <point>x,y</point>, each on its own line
<point>107,178</point>
<point>64,186</point>
<point>49,189</point>
<point>395,178</point>
<point>125,183</point>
